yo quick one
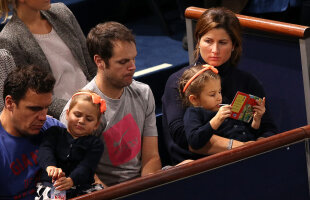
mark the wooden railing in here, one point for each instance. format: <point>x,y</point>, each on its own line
<point>258,24</point>
<point>201,165</point>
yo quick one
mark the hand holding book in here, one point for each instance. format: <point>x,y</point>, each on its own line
<point>245,105</point>
<point>259,111</point>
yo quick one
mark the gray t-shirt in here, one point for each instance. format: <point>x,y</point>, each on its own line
<point>122,128</point>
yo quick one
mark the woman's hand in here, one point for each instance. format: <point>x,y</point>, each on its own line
<point>223,113</point>
<point>63,183</point>
<point>259,111</point>
<point>54,172</point>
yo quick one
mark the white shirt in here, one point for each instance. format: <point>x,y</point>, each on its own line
<point>65,68</point>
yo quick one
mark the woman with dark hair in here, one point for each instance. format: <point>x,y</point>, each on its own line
<point>218,37</point>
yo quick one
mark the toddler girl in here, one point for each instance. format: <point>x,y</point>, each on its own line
<point>70,156</point>
<point>200,90</point>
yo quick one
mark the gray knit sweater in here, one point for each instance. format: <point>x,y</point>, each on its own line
<point>6,66</point>
<point>19,41</point>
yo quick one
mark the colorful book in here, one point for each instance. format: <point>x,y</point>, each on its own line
<point>242,106</point>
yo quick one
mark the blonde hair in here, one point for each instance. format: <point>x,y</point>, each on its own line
<point>6,6</point>
<point>197,85</point>
<point>85,97</point>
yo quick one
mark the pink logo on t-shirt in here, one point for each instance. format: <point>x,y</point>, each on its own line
<point>123,140</point>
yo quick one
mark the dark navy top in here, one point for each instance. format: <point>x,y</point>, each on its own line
<point>199,131</point>
<point>233,80</point>
<point>78,158</point>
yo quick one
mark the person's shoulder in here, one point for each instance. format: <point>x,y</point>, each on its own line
<point>176,75</point>
<point>51,122</point>
<point>140,90</point>
<point>138,84</point>
<point>91,142</point>
<point>173,79</point>
<point>139,87</point>
<point>5,54</point>
<point>198,111</point>
<point>55,129</point>
<point>58,10</point>
<point>7,63</point>
<point>94,139</point>
<point>249,81</point>
<point>191,109</point>
<point>91,85</point>
<point>14,27</point>
<point>56,7</point>
<point>10,43</point>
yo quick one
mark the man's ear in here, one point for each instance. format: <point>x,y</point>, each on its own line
<point>193,100</point>
<point>99,62</point>
<point>9,102</point>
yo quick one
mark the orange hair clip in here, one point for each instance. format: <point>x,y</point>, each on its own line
<point>96,100</point>
<point>205,68</point>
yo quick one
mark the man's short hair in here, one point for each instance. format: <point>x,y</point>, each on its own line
<point>101,38</point>
<point>31,77</point>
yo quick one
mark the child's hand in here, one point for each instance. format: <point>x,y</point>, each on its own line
<point>63,183</point>
<point>54,172</point>
<point>221,115</point>
<point>259,111</point>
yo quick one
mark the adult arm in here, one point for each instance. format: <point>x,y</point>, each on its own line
<point>90,64</point>
<point>150,156</point>
<point>173,111</point>
<point>197,126</point>
<point>56,107</point>
<point>200,134</point>
<point>267,125</point>
<point>215,145</point>
<point>47,147</point>
<point>7,64</point>
<point>62,117</point>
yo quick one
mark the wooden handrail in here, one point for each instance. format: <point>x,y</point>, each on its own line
<point>201,165</point>
<point>307,130</point>
<point>258,24</point>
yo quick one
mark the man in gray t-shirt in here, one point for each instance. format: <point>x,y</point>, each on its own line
<point>128,128</point>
